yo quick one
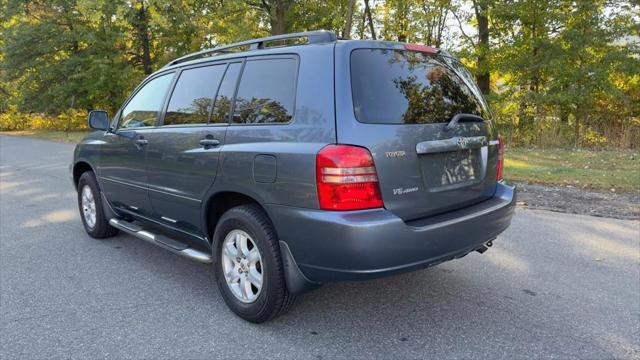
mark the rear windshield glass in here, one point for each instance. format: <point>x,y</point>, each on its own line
<point>406,87</point>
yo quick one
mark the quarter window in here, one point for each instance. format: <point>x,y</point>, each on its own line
<point>266,92</point>
<point>142,110</point>
<point>193,94</point>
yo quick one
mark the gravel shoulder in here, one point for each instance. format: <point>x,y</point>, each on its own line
<point>573,200</point>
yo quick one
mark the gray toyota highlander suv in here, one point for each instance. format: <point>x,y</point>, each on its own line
<point>300,159</point>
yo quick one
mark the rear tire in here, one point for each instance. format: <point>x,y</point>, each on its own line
<point>249,225</point>
<point>91,210</point>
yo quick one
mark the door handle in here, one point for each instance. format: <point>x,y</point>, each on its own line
<point>142,142</point>
<point>209,142</point>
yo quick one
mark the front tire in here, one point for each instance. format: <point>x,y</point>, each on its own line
<point>249,270</point>
<point>91,210</point>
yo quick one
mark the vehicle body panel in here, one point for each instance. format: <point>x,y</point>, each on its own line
<point>122,172</point>
<point>180,171</point>
<point>360,245</point>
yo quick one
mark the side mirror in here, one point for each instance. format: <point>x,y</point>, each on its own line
<point>99,120</point>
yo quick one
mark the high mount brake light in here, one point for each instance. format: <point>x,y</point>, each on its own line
<point>421,48</point>
<point>346,178</point>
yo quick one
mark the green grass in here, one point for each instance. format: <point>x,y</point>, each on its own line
<point>599,170</point>
<point>61,136</point>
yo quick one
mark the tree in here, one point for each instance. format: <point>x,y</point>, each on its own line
<point>367,11</point>
<point>275,11</point>
<point>139,19</point>
<point>483,76</point>
<point>594,57</point>
<point>396,20</point>
<point>434,20</point>
<point>50,43</point>
<point>346,34</point>
<point>414,20</point>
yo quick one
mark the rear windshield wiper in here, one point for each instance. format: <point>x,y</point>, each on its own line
<point>463,118</point>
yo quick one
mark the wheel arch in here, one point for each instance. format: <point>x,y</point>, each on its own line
<point>218,203</point>
<point>79,168</point>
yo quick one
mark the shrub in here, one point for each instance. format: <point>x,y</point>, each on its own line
<point>71,119</point>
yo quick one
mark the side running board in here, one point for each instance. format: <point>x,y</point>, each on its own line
<point>167,243</point>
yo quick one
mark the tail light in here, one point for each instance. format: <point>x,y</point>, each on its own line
<point>500,158</point>
<point>346,178</point>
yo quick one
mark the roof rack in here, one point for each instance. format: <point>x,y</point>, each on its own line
<point>313,37</point>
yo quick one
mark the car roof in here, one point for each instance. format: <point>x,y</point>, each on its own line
<point>244,48</point>
<point>261,46</point>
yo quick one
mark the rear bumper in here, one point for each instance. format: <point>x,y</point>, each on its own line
<point>358,245</point>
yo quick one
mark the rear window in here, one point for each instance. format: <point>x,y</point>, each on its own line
<point>406,87</point>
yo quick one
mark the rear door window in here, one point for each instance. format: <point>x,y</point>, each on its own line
<point>266,93</point>
<point>192,97</point>
<point>406,87</point>
<point>222,106</point>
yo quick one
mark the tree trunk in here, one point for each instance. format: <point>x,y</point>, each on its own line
<point>483,78</point>
<point>524,119</point>
<point>442,20</point>
<point>362,25</point>
<point>142,27</point>
<point>277,20</point>
<point>436,22</point>
<point>346,34</point>
<point>576,132</point>
<point>564,109</point>
<point>367,10</point>
<point>576,125</point>
<point>402,19</point>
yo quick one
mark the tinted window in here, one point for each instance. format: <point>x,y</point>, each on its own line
<point>266,92</point>
<point>466,75</point>
<point>222,106</point>
<point>143,108</point>
<point>405,87</point>
<point>193,94</point>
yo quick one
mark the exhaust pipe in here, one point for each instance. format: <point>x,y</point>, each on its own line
<point>484,247</point>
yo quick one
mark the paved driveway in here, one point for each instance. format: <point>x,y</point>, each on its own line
<point>553,285</point>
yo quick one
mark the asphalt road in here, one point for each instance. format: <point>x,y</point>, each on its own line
<point>553,286</point>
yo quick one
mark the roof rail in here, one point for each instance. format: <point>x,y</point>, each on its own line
<point>313,37</point>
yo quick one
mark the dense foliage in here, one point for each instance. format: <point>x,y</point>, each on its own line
<point>556,72</point>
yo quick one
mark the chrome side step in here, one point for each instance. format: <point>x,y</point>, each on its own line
<point>164,242</point>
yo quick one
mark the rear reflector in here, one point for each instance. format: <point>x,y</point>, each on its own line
<point>500,158</point>
<point>346,178</point>
<point>421,48</point>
